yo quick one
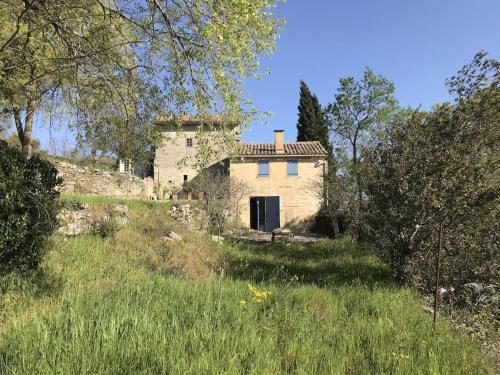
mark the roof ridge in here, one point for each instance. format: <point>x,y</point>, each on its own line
<point>272,143</point>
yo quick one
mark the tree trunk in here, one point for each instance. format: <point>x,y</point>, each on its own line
<point>25,132</point>
<point>335,224</point>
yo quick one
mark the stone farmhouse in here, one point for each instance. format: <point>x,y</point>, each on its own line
<point>284,180</point>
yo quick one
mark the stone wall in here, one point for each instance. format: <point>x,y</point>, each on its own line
<point>87,180</point>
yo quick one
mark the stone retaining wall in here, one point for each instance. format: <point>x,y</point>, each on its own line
<point>87,180</point>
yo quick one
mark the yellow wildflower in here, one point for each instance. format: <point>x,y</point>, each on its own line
<point>242,302</point>
<point>259,295</point>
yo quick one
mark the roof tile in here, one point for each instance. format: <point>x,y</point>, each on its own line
<point>312,148</point>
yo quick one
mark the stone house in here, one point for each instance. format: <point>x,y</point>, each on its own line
<point>284,180</point>
<point>175,161</point>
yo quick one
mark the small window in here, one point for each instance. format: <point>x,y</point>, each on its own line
<point>185,177</point>
<point>189,142</point>
<point>293,168</point>
<point>263,167</point>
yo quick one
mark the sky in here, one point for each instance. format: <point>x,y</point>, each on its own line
<point>415,44</point>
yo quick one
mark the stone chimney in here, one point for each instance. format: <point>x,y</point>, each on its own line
<point>279,141</point>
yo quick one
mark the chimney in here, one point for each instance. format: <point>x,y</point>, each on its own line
<point>279,141</point>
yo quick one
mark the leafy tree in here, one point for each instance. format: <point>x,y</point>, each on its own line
<point>358,115</point>
<point>106,129</point>
<point>441,169</point>
<point>360,109</point>
<point>197,53</point>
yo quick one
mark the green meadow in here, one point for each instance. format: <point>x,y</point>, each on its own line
<point>130,304</point>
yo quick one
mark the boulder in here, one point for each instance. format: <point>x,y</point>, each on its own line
<point>282,236</point>
<point>174,236</point>
<point>74,222</point>
<point>217,238</point>
<point>120,212</point>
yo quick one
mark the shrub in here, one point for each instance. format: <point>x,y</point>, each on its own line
<point>104,227</point>
<point>28,208</point>
<point>440,169</point>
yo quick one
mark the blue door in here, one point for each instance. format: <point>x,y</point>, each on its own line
<point>272,213</point>
<point>265,213</point>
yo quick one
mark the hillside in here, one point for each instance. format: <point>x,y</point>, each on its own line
<point>133,303</point>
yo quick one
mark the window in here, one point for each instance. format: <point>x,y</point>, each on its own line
<point>189,142</point>
<point>185,178</point>
<point>263,167</point>
<point>293,168</point>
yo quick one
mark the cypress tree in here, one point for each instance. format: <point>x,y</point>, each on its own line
<point>312,124</point>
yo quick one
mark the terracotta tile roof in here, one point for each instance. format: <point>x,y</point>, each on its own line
<point>313,148</point>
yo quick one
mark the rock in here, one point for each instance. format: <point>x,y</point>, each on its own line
<point>120,209</point>
<point>174,236</point>
<point>74,222</point>
<point>282,236</point>
<point>217,238</point>
<point>183,214</point>
<point>473,288</point>
<point>165,239</point>
<point>120,212</point>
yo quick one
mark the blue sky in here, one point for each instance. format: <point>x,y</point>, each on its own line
<point>415,44</point>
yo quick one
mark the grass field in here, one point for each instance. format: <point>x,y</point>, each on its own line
<point>132,305</point>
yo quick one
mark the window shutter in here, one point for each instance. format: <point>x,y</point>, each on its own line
<point>263,167</point>
<point>293,168</point>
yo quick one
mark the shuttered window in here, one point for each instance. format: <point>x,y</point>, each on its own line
<point>293,168</point>
<point>263,167</point>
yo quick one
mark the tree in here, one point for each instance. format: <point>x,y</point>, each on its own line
<point>440,169</point>
<point>358,115</point>
<point>13,140</point>
<point>221,196</point>
<point>311,125</point>
<point>197,54</point>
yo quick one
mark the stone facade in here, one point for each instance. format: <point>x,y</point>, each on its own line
<point>300,196</point>
<point>299,192</point>
<point>176,158</point>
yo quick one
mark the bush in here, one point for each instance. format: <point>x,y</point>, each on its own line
<point>28,208</point>
<point>104,227</point>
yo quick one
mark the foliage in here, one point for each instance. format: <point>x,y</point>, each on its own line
<point>358,116</point>
<point>105,128</point>
<point>104,227</point>
<point>441,168</point>
<point>361,109</point>
<point>28,200</point>
<point>13,140</point>
<point>94,55</point>
<point>312,125</point>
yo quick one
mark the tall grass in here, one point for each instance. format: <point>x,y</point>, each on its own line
<point>103,309</point>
